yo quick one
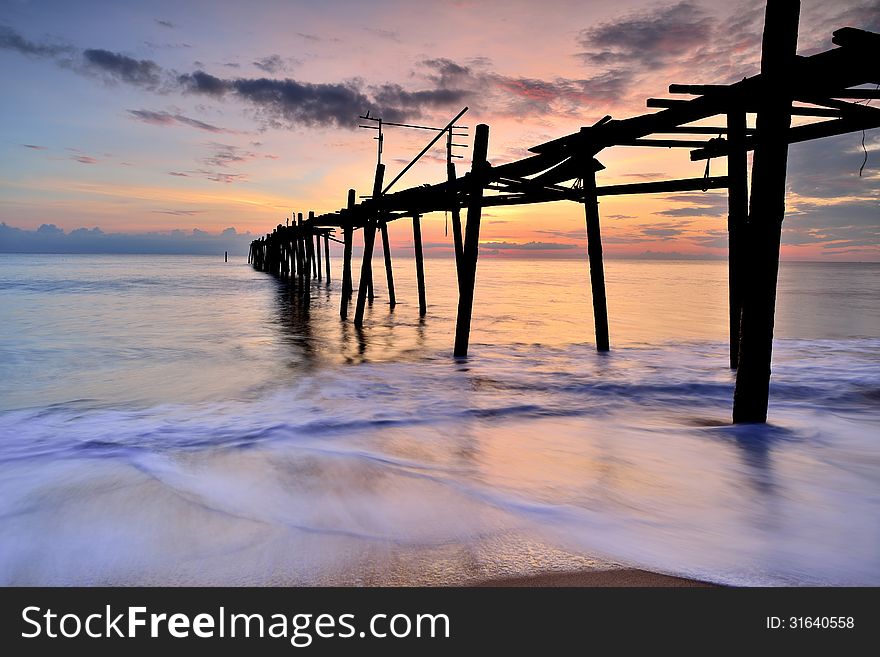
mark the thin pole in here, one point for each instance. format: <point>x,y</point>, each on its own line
<point>327,256</point>
<point>456,220</point>
<point>318,256</point>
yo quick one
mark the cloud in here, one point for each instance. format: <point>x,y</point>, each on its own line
<point>84,159</point>
<point>11,40</point>
<point>707,204</point>
<point>527,246</point>
<point>225,154</point>
<point>164,23</point>
<point>179,174</point>
<point>389,35</point>
<point>116,67</point>
<point>34,147</point>
<point>49,238</point>
<point>650,39</point>
<point>270,64</point>
<point>167,118</point>
<point>180,213</point>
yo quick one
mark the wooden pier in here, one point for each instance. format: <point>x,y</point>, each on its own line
<point>821,85</point>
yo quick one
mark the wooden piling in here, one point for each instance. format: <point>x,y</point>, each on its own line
<point>346,256</point>
<point>594,252</point>
<point>471,246</point>
<point>420,264</point>
<point>300,248</point>
<point>737,215</point>
<point>318,272</point>
<point>455,211</point>
<point>369,241</point>
<point>310,248</point>
<point>766,211</point>
<point>389,273</point>
<point>327,257</point>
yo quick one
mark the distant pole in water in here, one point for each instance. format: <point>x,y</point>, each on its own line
<point>226,256</point>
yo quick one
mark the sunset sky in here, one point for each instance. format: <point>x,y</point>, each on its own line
<point>136,117</point>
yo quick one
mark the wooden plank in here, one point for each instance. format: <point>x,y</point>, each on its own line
<point>389,272</point>
<point>594,252</point>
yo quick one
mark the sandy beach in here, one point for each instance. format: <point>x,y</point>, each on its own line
<point>626,577</point>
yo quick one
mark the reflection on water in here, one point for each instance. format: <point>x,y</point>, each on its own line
<point>175,420</point>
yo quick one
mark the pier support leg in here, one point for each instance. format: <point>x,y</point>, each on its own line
<point>766,211</point>
<point>456,223</point>
<point>318,272</point>
<point>737,214</point>
<point>468,276</point>
<point>369,241</point>
<point>327,257</point>
<point>346,260</point>
<point>389,273</point>
<point>594,251</point>
<point>420,264</point>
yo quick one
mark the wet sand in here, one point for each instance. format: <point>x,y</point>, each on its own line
<point>628,577</point>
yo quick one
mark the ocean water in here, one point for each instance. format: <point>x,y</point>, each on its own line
<point>181,420</point>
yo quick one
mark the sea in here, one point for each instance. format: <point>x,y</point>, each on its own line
<point>181,420</point>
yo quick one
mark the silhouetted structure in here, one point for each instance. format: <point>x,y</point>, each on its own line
<point>821,84</point>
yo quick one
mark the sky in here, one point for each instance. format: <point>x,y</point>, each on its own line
<point>198,125</point>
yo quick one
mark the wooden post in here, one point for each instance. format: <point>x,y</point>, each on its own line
<point>766,211</point>
<point>226,256</point>
<point>318,272</point>
<point>369,241</point>
<point>310,248</point>
<point>456,221</point>
<point>471,247</point>
<point>346,256</point>
<point>594,251</point>
<point>300,247</point>
<point>327,257</point>
<point>420,264</point>
<point>389,274</point>
<point>737,215</point>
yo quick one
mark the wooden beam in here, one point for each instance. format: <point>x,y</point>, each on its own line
<point>479,173</point>
<point>796,111</point>
<point>766,212</point>
<point>454,209</point>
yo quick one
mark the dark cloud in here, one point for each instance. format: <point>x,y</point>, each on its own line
<point>33,147</point>
<point>12,40</point>
<point>270,64</point>
<point>829,168</point>
<point>167,118</point>
<point>163,23</point>
<point>225,154</point>
<point>116,67</point>
<point>84,159</point>
<point>701,205</point>
<point>200,82</point>
<point>650,39</point>
<point>49,238</point>
<point>179,174</point>
<point>621,216</point>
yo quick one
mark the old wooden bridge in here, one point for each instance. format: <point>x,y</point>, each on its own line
<point>828,85</point>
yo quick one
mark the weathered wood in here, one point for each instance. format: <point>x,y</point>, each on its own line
<point>369,241</point>
<point>766,212</point>
<point>737,215</point>
<point>471,249</point>
<point>346,259</point>
<point>594,253</point>
<point>327,257</point>
<point>455,211</point>
<point>420,264</point>
<point>389,273</point>
<point>318,273</point>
